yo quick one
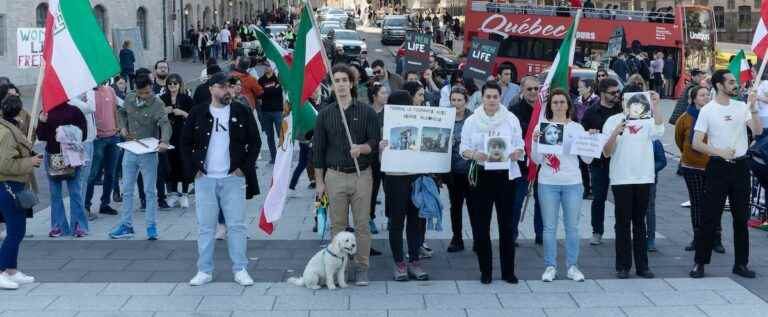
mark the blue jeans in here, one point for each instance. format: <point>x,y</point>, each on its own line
<point>270,119</point>
<point>569,197</point>
<point>132,165</point>
<point>305,154</point>
<point>229,193</point>
<point>521,190</point>
<point>104,157</point>
<point>85,170</point>
<point>600,182</point>
<point>215,48</point>
<point>76,208</point>
<point>15,226</point>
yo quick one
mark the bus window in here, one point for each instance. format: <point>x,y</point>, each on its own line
<point>527,48</point>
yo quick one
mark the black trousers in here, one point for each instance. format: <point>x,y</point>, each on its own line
<point>377,176</point>
<point>402,215</point>
<point>493,189</point>
<point>694,181</point>
<point>723,179</point>
<point>600,182</point>
<point>584,167</point>
<point>631,208</point>
<point>458,192</point>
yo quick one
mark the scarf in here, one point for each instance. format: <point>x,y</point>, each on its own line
<point>486,123</point>
<point>694,113</point>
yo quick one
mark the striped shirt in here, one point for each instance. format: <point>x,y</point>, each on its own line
<point>330,146</point>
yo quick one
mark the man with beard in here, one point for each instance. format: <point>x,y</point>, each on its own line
<point>221,143</point>
<point>161,74</point>
<point>594,119</point>
<point>142,116</point>
<point>381,74</point>
<point>523,110</point>
<point>724,121</point>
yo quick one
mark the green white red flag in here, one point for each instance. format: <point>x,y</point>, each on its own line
<point>740,69</point>
<point>76,53</point>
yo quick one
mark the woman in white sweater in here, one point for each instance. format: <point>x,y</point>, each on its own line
<point>492,187</point>
<point>560,186</point>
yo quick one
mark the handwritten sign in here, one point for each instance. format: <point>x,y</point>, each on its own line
<point>417,49</point>
<point>589,145</point>
<point>29,47</point>
<point>482,55</point>
<point>419,139</point>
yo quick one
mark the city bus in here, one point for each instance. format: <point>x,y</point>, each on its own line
<point>529,36</point>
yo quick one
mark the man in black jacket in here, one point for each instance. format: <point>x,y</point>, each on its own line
<point>523,109</point>
<point>220,143</point>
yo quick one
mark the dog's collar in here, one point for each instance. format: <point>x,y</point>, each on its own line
<point>333,254</point>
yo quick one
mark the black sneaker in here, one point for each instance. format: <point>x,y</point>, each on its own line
<point>456,245</point>
<point>162,205</point>
<point>107,210</point>
<point>697,271</point>
<point>718,247</point>
<point>743,271</point>
<point>622,274</point>
<point>645,274</point>
<point>375,252</point>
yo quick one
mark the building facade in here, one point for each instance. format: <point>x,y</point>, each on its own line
<point>161,25</point>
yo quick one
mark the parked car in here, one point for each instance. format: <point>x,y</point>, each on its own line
<point>393,29</point>
<point>324,30</point>
<point>350,42</point>
<point>334,14</point>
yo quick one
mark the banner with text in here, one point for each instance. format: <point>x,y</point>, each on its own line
<point>417,50</point>
<point>482,55</point>
<point>420,139</point>
<point>29,47</point>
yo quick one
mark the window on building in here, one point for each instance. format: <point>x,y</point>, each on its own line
<point>3,31</point>
<point>101,17</point>
<point>650,5</point>
<point>719,17</point>
<point>41,13</point>
<point>731,4</point>
<point>141,24</point>
<point>757,3</point>
<point>745,17</point>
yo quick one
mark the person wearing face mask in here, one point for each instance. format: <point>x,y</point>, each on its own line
<point>142,116</point>
<point>221,144</point>
<point>593,120</point>
<point>523,110</point>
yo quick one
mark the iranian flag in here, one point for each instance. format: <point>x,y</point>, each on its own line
<point>740,68</point>
<point>76,53</point>
<point>760,39</point>
<point>557,77</point>
<point>300,75</point>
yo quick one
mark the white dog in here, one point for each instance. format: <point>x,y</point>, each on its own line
<point>329,263</point>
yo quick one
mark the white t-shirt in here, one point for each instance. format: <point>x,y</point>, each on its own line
<point>217,157</point>
<point>762,107</point>
<point>560,169</point>
<point>725,126</point>
<point>224,36</point>
<point>632,160</point>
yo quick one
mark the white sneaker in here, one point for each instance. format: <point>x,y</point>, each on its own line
<point>6,283</point>
<point>200,279</point>
<point>596,239</point>
<point>221,232</point>
<point>575,274</point>
<point>243,278</point>
<point>686,204</point>
<point>3,234</point>
<point>172,199</point>
<point>549,274</point>
<point>19,278</point>
<point>184,201</point>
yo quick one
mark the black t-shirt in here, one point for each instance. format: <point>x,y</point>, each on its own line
<point>272,98</point>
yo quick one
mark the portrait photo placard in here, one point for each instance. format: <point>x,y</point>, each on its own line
<point>498,148</point>
<point>551,138</point>
<point>637,105</point>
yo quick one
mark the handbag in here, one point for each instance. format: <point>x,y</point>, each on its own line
<point>58,169</point>
<point>659,158</point>
<point>25,199</point>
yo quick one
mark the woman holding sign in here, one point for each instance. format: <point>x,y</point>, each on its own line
<point>559,183</point>
<point>492,187</point>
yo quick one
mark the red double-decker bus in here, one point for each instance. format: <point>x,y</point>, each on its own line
<point>530,36</point>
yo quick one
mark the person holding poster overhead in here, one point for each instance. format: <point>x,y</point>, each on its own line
<point>560,185</point>
<point>631,173</point>
<point>492,187</point>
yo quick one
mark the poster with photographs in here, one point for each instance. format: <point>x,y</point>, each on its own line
<point>637,105</point>
<point>419,139</point>
<point>551,138</point>
<point>498,149</point>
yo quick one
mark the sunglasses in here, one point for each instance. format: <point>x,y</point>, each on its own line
<point>532,89</point>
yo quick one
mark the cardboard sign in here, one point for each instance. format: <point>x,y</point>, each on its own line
<point>417,50</point>
<point>420,139</point>
<point>482,56</point>
<point>29,47</point>
<point>589,145</point>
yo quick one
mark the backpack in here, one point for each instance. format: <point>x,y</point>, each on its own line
<point>757,160</point>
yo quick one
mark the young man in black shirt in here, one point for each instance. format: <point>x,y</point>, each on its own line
<point>334,160</point>
<point>271,109</point>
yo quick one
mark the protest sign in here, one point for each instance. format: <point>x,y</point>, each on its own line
<point>551,138</point>
<point>637,105</point>
<point>29,47</point>
<point>482,55</point>
<point>417,50</point>
<point>588,145</point>
<point>419,139</point>
<point>498,148</point>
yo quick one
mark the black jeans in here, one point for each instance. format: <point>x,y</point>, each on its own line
<point>493,189</point>
<point>402,215</point>
<point>631,206</point>
<point>305,155</point>
<point>724,179</point>
<point>695,182</point>
<point>600,184</point>
<point>458,192</point>
<point>377,177</point>
<point>584,167</point>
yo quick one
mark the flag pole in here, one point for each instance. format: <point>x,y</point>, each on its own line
<point>328,67</point>
<point>759,76</point>
<point>36,101</point>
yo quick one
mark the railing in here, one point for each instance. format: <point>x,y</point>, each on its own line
<point>595,13</point>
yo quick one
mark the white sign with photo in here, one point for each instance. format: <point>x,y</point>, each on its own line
<point>637,105</point>
<point>551,138</point>
<point>419,139</point>
<point>498,149</point>
<point>29,47</point>
<point>588,145</point>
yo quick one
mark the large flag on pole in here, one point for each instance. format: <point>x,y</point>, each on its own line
<point>76,53</point>
<point>557,77</point>
<point>300,74</point>
<point>740,68</point>
<point>760,39</point>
